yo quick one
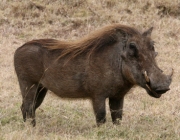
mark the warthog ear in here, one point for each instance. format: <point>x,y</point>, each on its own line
<point>148,32</point>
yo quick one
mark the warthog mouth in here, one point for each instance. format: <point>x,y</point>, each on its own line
<point>157,92</point>
<point>149,89</point>
<point>153,93</point>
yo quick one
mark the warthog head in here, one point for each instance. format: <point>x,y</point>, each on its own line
<point>140,68</point>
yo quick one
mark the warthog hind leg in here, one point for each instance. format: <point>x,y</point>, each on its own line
<point>41,93</point>
<point>28,105</point>
<point>28,112</point>
<point>33,95</point>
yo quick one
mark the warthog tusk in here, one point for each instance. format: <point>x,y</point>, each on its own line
<point>146,77</point>
<point>148,87</point>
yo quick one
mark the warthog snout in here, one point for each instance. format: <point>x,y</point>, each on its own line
<point>158,84</point>
<point>162,90</point>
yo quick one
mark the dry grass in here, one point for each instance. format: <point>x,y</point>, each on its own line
<point>144,117</point>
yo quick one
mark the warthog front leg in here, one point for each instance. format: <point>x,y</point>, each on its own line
<point>99,110</point>
<point>116,109</point>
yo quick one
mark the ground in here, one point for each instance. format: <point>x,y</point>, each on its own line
<point>144,117</point>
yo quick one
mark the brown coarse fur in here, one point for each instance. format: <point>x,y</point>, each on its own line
<point>105,64</point>
<point>95,41</point>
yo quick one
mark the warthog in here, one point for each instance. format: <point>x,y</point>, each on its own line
<point>105,64</point>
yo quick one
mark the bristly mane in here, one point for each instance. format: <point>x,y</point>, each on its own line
<point>96,40</point>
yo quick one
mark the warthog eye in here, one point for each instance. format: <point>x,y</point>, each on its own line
<point>133,48</point>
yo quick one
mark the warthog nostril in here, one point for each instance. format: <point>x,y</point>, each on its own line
<point>161,91</point>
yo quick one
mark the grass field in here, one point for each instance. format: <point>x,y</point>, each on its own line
<point>145,118</point>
